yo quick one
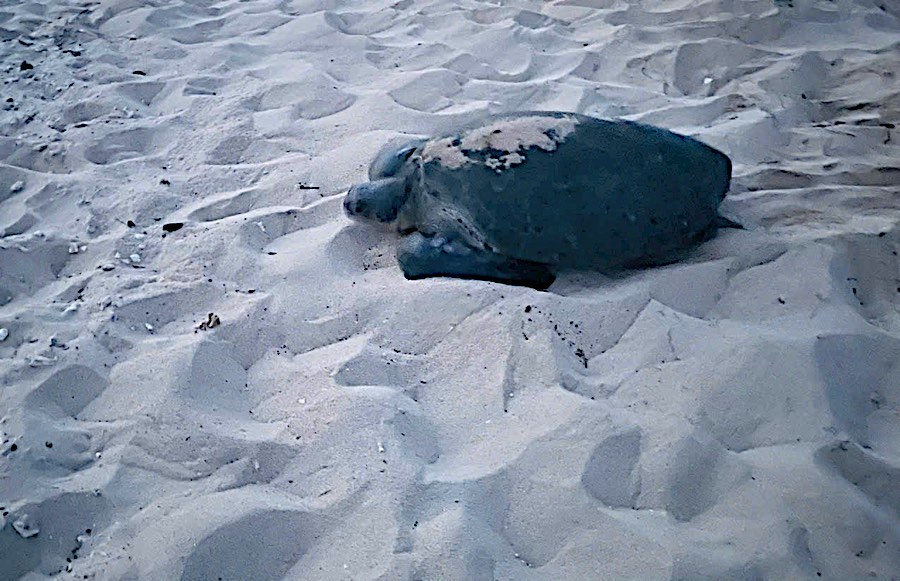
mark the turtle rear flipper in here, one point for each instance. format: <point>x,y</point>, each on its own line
<point>422,257</point>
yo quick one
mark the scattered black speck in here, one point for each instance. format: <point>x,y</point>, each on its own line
<point>139,73</point>
<point>882,234</point>
<point>14,447</point>
<point>781,300</point>
<point>26,66</point>
<point>270,253</point>
<point>528,309</point>
<point>173,226</point>
<point>165,182</point>
<point>48,444</point>
<point>130,223</point>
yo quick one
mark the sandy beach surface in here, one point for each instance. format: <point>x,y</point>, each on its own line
<point>208,372</point>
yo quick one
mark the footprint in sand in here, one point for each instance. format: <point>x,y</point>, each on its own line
<point>64,523</point>
<point>408,57</point>
<point>859,372</point>
<point>238,550</point>
<point>216,379</point>
<point>13,181</point>
<point>67,392</point>
<point>244,145</point>
<point>116,147</point>
<point>313,96</point>
<point>198,33</point>
<point>703,67</point>
<point>230,150</point>
<point>18,221</point>
<point>873,273</point>
<point>699,472</point>
<point>85,111</point>
<point>611,474</point>
<point>430,91</point>
<point>374,366</point>
<point>55,450</point>
<point>163,306</point>
<point>203,86</point>
<point>361,23</point>
<point>876,477</point>
<point>31,266</point>
<point>142,93</point>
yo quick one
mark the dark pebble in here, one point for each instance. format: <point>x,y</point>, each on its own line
<point>173,226</point>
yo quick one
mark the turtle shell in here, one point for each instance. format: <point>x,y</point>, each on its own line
<point>572,191</point>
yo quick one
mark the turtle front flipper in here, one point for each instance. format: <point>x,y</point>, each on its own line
<point>422,257</point>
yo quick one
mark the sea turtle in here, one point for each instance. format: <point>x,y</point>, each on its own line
<point>519,197</point>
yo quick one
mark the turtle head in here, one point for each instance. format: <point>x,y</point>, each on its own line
<point>392,174</point>
<point>379,200</point>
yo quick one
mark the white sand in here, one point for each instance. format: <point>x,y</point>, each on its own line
<point>736,416</point>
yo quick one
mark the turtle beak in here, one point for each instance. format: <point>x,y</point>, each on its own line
<point>352,204</point>
<point>349,206</point>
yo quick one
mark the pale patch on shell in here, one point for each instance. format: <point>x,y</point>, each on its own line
<point>512,137</point>
<point>503,162</point>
